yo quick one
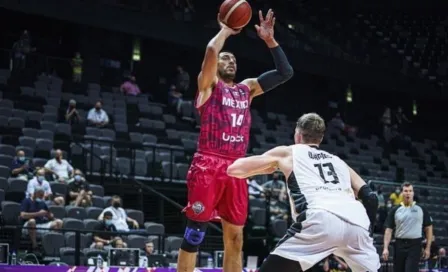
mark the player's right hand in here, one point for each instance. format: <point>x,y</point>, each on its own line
<point>227,29</point>
<point>385,254</point>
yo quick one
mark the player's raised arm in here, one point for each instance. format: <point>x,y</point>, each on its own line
<point>368,197</point>
<point>264,164</point>
<point>207,76</point>
<point>283,70</point>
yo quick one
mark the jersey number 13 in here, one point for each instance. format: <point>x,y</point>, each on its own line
<point>327,173</point>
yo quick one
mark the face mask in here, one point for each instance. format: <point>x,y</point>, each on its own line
<point>39,199</point>
<point>22,159</point>
<point>397,192</point>
<point>389,205</point>
<point>108,222</point>
<point>98,108</point>
<point>116,204</point>
<point>379,191</point>
<point>40,178</point>
<point>78,178</point>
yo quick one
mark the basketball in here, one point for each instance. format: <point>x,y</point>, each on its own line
<point>235,13</point>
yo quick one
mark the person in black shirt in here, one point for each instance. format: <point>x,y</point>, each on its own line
<point>79,191</point>
<point>35,214</point>
<point>102,240</point>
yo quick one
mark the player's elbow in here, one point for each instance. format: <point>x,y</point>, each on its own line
<point>288,73</point>
<point>234,171</point>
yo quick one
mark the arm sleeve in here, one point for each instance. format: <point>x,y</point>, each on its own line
<point>427,220</point>
<point>390,220</point>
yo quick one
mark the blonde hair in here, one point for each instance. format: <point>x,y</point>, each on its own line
<point>312,127</point>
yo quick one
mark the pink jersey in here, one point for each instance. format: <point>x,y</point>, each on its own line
<point>226,121</point>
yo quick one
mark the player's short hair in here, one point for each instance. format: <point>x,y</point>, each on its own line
<point>312,127</point>
<point>405,184</point>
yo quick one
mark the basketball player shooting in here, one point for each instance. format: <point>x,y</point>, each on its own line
<point>224,108</point>
<point>327,217</point>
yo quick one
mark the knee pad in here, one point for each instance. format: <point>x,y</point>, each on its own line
<point>194,235</point>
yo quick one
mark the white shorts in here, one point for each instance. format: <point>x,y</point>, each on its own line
<point>322,234</point>
<point>42,229</point>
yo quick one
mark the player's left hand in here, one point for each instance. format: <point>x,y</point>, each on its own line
<point>426,253</point>
<point>265,29</point>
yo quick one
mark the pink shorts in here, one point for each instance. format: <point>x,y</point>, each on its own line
<point>212,193</point>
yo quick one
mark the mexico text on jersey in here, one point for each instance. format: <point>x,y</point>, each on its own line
<point>226,121</point>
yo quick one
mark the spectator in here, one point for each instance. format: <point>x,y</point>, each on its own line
<point>334,264</point>
<point>119,243</point>
<point>275,187</point>
<point>175,98</point>
<point>120,219</point>
<point>22,167</point>
<point>35,214</point>
<point>255,189</point>
<point>39,182</point>
<point>278,210</point>
<point>21,49</point>
<point>102,239</point>
<point>182,80</point>
<point>77,68</point>
<point>72,114</point>
<point>396,197</point>
<point>79,191</point>
<point>97,116</point>
<point>130,87</point>
<point>149,248</point>
<point>59,168</point>
<point>339,123</point>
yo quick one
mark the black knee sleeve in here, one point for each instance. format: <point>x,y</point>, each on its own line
<point>370,201</point>
<point>194,235</point>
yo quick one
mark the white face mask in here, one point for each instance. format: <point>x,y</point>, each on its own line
<point>389,205</point>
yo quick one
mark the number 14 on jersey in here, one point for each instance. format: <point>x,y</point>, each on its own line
<point>237,119</point>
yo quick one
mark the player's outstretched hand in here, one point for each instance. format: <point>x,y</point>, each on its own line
<point>227,29</point>
<point>265,29</point>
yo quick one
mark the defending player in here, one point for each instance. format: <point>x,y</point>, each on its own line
<point>224,107</point>
<point>327,217</point>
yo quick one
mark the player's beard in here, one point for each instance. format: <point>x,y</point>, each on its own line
<point>226,76</point>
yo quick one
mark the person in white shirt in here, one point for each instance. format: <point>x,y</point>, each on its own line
<point>60,168</point>
<point>39,182</point>
<point>119,219</point>
<point>327,218</point>
<point>97,116</point>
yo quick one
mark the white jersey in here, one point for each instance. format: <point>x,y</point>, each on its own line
<point>321,180</point>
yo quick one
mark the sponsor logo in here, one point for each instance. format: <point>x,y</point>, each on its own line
<point>198,207</point>
<point>232,138</point>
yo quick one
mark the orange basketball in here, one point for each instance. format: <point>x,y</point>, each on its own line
<point>235,13</point>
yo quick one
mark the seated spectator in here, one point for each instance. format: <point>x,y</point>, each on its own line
<point>334,264</point>
<point>396,197</point>
<point>149,248</point>
<point>59,168</point>
<point>130,87</point>
<point>35,214</point>
<point>120,219</point>
<point>278,210</point>
<point>275,187</point>
<point>72,114</point>
<point>339,123</point>
<point>79,191</point>
<point>22,166</point>
<point>175,97</point>
<point>102,240</point>
<point>39,182</point>
<point>255,190</point>
<point>119,243</point>
<point>97,116</point>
